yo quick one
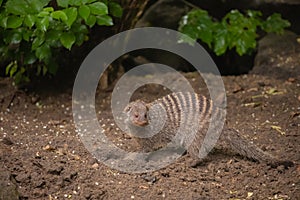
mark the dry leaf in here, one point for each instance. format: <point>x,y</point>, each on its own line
<point>249,194</point>
<point>253,104</point>
<point>273,91</point>
<point>278,128</point>
<point>48,148</point>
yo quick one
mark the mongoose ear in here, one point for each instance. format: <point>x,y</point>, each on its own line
<point>148,107</point>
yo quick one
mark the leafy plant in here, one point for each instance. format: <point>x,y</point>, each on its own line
<point>33,30</point>
<point>235,30</point>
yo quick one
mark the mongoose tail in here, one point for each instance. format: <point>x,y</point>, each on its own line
<point>245,147</point>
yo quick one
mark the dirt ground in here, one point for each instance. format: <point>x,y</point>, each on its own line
<point>42,155</point>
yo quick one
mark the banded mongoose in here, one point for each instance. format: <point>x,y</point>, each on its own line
<point>137,117</point>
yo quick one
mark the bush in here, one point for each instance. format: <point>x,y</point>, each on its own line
<point>235,30</point>
<point>33,31</point>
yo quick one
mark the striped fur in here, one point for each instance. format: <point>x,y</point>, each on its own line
<point>188,112</point>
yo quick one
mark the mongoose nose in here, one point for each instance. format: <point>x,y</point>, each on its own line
<point>140,120</point>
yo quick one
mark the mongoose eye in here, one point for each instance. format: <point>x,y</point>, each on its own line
<point>127,109</point>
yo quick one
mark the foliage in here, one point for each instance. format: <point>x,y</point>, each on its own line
<point>33,30</point>
<point>235,30</point>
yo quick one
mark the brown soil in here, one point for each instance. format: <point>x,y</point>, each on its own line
<point>45,158</point>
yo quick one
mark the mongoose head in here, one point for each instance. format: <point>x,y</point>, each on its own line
<point>137,113</point>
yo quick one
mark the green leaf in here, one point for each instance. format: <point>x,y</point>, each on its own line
<point>30,58</point>
<point>71,14</point>
<point>104,20</point>
<point>14,22</point>
<point>67,39</point>
<point>13,69</point>
<point>26,34</point>
<point>75,2</point>
<point>39,40</point>
<point>80,38</point>
<point>189,30</point>
<point>254,13</point>
<point>245,42</point>
<point>63,3</point>
<point>17,7</point>
<point>37,5</point>
<point>220,46</point>
<point>52,38</point>
<point>48,9</point>
<point>198,25</point>
<point>91,21</point>
<point>220,39</point>
<point>235,30</point>
<point>3,21</point>
<point>44,70</point>
<point>41,70</point>
<point>12,37</point>
<point>234,17</point>
<point>1,2</point>
<point>9,67</point>
<point>275,23</point>
<point>80,31</point>
<point>43,14</point>
<point>43,52</point>
<point>21,77</point>
<point>206,36</point>
<point>59,15</point>
<point>98,8</point>
<point>115,9</point>
<point>43,23</point>
<point>186,39</point>
<point>84,12</point>
<point>79,28</point>
<point>29,20</point>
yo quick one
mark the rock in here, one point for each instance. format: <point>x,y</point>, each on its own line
<point>164,13</point>
<point>55,169</point>
<point>22,177</point>
<point>291,2</point>
<point>278,56</point>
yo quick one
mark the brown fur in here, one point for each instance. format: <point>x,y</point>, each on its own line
<point>190,109</point>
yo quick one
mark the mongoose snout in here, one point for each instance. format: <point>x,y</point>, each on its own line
<point>137,113</point>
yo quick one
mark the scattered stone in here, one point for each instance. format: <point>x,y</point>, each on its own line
<point>7,141</point>
<point>22,177</point>
<point>95,166</point>
<point>150,179</point>
<point>35,99</point>
<point>49,148</point>
<point>55,170</point>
